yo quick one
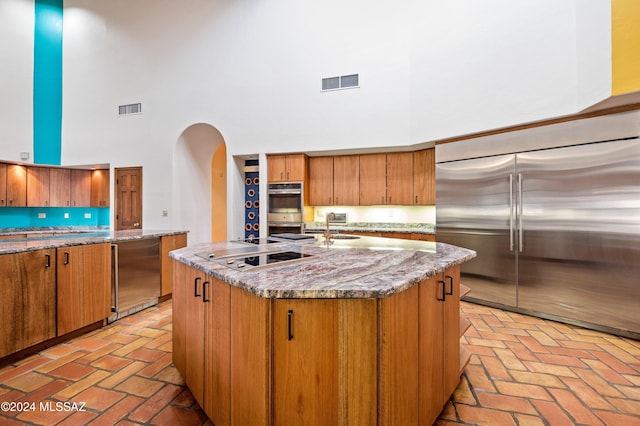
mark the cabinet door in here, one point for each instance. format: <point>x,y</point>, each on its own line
<point>27,291</point>
<point>346,183</point>
<point>296,167</point>
<point>216,296</point>
<point>167,244</point>
<point>451,319</point>
<point>3,185</point>
<point>400,178</point>
<point>321,181</point>
<point>16,185</point>
<point>84,285</point>
<point>80,188</point>
<point>100,188</point>
<point>276,168</point>
<point>182,290</point>
<point>373,181</point>
<point>59,187</point>
<point>424,177</point>
<point>38,187</point>
<point>305,362</point>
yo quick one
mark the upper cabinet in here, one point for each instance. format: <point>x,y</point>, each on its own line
<point>321,181</point>
<point>100,188</point>
<point>80,188</point>
<point>346,180</point>
<point>38,187</point>
<point>60,187</point>
<point>400,178</point>
<point>3,185</point>
<point>16,185</point>
<point>286,168</point>
<point>424,172</point>
<point>373,179</point>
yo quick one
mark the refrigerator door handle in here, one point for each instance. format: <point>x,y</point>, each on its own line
<point>520,214</point>
<point>511,207</point>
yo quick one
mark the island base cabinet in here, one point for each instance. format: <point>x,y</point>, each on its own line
<point>28,294</point>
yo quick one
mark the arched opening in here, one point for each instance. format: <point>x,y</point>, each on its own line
<point>199,183</point>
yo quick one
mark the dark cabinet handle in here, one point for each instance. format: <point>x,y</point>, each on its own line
<point>66,258</point>
<point>443,292</point>
<point>204,292</point>
<point>195,287</point>
<point>48,264</point>
<point>289,324</point>
<point>450,279</point>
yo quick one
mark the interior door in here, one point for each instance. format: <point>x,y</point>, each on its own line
<point>128,198</point>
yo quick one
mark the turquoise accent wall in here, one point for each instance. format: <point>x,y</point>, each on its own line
<point>47,82</point>
<point>27,217</point>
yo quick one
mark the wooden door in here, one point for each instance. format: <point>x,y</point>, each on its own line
<point>3,185</point>
<point>320,181</point>
<point>38,187</point>
<point>59,187</point>
<point>424,177</point>
<point>100,188</point>
<point>373,180</point>
<point>84,285</point>
<point>80,188</point>
<point>295,167</point>
<point>129,198</point>
<point>16,185</point>
<point>28,292</point>
<point>217,351</point>
<point>346,184</point>
<point>400,178</point>
<point>305,364</point>
<point>276,168</point>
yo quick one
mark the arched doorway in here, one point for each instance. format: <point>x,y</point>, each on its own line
<point>199,184</point>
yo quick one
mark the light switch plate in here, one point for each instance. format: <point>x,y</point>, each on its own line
<point>42,215</point>
<point>87,215</point>
<point>66,215</point>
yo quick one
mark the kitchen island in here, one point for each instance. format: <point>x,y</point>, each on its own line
<point>365,331</point>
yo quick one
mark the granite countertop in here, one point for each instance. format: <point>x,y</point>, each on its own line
<point>62,238</point>
<point>368,267</point>
<point>415,228</point>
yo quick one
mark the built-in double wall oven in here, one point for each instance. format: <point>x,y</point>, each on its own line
<point>286,203</point>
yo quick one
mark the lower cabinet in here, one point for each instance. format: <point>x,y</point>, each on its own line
<point>258,361</point>
<point>28,294</point>
<point>84,285</point>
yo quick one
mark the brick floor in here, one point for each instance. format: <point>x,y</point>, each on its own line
<point>523,371</point>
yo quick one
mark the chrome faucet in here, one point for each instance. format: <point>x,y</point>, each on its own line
<point>327,235</point>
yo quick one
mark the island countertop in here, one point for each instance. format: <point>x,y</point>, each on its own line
<point>367,267</point>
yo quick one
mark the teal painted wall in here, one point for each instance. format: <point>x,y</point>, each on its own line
<point>27,217</point>
<point>47,82</point>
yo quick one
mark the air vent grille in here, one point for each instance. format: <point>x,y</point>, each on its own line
<point>130,109</point>
<point>342,82</point>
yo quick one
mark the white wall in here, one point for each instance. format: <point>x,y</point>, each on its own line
<point>253,69</point>
<point>16,78</point>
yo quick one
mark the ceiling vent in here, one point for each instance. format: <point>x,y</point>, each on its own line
<point>130,109</point>
<point>350,81</point>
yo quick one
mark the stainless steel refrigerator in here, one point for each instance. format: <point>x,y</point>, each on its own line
<point>556,231</point>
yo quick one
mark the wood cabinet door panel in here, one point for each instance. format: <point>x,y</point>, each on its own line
<point>346,180</point>
<point>372,179</point>
<point>27,291</point>
<point>451,330</point>
<point>321,181</point>
<point>295,166</point>
<point>100,188</point>
<point>424,177</point>
<point>80,191</point>
<point>400,178</point>
<point>167,244</point>
<point>3,185</point>
<point>276,169</point>
<point>16,185</point>
<point>59,187</point>
<point>38,187</point>
<point>194,341</point>
<point>305,361</point>
<point>182,290</point>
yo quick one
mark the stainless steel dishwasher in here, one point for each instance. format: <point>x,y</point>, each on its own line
<point>135,276</point>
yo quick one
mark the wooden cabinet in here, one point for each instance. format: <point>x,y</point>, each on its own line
<point>100,194</point>
<point>3,185</point>
<point>424,177</point>
<point>80,188</point>
<point>286,168</point>
<point>400,178</point>
<point>38,187</point>
<point>373,179</point>
<point>16,185</point>
<point>59,187</point>
<point>167,244</point>
<point>201,339</point>
<point>84,285</point>
<point>321,181</point>
<point>28,294</point>
<point>346,180</point>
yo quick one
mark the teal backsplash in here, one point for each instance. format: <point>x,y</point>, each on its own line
<point>27,217</point>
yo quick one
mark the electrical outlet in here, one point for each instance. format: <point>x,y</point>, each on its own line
<point>66,215</point>
<point>87,215</point>
<point>42,215</point>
